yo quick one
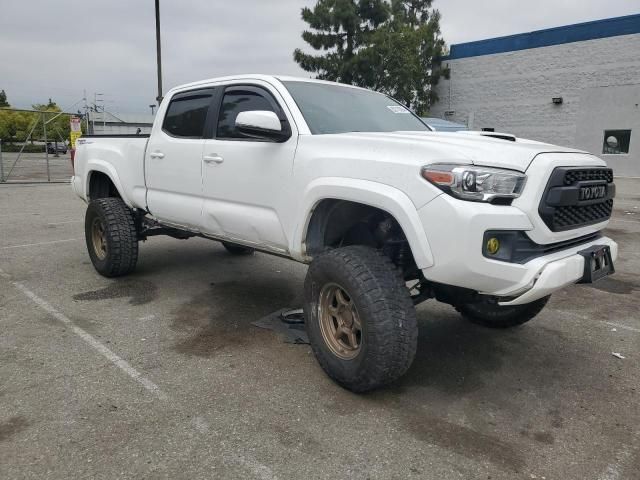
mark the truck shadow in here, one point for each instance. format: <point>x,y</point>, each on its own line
<point>453,354</point>
<point>468,391</point>
<point>157,260</point>
<point>219,319</point>
<point>468,387</point>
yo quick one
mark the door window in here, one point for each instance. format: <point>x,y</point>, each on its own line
<point>186,115</point>
<point>240,100</point>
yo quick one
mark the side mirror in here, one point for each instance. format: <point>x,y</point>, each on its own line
<point>261,124</point>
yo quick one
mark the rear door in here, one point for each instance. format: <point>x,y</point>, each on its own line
<point>173,159</point>
<point>246,181</point>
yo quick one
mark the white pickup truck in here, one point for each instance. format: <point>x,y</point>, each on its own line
<point>387,212</point>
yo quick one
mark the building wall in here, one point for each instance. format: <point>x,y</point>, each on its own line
<point>611,108</point>
<point>511,92</point>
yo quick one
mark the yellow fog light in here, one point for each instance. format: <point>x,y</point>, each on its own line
<point>493,245</point>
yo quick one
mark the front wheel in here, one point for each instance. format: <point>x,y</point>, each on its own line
<point>359,318</point>
<point>492,315</point>
<point>111,236</point>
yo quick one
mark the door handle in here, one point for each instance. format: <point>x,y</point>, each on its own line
<point>213,158</point>
<point>156,155</point>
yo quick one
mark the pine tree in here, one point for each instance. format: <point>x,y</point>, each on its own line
<point>392,46</point>
<point>404,54</point>
<point>3,100</point>
<point>340,28</point>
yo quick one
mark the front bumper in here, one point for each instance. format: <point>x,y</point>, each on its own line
<point>556,274</point>
<point>455,231</point>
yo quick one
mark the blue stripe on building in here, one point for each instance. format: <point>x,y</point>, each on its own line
<point>610,27</point>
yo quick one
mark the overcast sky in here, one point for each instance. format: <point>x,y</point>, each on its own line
<point>58,48</point>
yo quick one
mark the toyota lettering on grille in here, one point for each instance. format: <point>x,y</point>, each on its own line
<point>593,192</point>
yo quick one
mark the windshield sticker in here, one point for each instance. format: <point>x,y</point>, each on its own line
<point>397,109</point>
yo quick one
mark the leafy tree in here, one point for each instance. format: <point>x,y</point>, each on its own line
<point>340,28</point>
<point>391,46</point>
<point>58,128</point>
<point>3,100</point>
<point>47,107</point>
<point>14,126</point>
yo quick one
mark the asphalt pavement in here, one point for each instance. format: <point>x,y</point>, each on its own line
<point>162,375</point>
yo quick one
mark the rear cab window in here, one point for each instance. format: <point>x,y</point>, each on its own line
<point>187,114</point>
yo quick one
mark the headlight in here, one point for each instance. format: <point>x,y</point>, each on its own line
<point>480,184</point>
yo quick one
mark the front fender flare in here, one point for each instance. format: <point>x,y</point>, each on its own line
<point>374,194</point>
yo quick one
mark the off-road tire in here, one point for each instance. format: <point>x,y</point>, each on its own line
<point>493,315</point>
<point>387,315</point>
<point>235,249</point>
<point>120,236</point>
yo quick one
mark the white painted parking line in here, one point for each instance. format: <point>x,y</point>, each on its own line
<point>624,327</point>
<point>89,339</point>
<point>244,460</point>
<point>258,469</point>
<point>614,470</point>
<point>587,318</point>
<point>68,221</point>
<point>41,243</point>
<point>44,215</point>
<point>18,214</point>
<point>13,223</point>
<point>623,221</point>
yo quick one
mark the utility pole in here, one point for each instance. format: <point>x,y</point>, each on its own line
<point>96,109</point>
<point>86,110</point>
<point>158,53</point>
<point>1,164</point>
<point>152,107</point>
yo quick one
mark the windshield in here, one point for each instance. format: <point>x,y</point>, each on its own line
<point>339,109</point>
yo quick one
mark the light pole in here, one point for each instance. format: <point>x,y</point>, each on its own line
<point>158,52</point>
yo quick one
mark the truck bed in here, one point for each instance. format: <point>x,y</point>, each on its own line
<point>117,135</point>
<point>120,157</point>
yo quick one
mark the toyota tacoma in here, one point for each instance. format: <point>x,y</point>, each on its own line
<point>386,212</point>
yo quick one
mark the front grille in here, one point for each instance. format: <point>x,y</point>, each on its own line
<point>574,215</point>
<point>573,176</point>
<point>562,208</point>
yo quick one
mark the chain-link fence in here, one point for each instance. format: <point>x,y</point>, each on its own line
<point>35,148</point>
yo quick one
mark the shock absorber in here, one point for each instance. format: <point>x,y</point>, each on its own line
<point>402,256</point>
<point>393,243</point>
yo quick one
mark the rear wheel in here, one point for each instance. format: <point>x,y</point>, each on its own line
<point>235,249</point>
<point>111,236</point>
<point>492,315</point>
<point>359,317</point>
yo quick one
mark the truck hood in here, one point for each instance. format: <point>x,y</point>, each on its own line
<point>468,146</point>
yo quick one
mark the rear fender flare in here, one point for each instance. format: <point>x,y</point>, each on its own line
<point>96,165</point>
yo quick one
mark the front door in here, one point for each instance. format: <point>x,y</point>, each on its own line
<point>246,181</point>
<point>173,160</point>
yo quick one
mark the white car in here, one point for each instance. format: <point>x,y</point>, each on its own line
<point>386,212</point>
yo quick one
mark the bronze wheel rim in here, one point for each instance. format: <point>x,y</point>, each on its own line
<point>339,322</point>
<point>99,238</point>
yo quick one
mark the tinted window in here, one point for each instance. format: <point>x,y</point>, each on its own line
<point>233,103</point>
<point>331,108</point>
<point>186,115</point>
